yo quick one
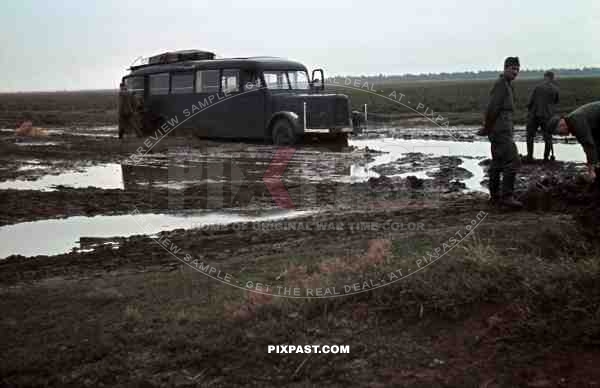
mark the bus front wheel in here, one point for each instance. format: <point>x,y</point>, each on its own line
<point>283,133</point>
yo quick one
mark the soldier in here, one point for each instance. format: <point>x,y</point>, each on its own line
<point>498,126</point>
<point>124,109</point>
<point>584,124</point>
<point>541,108</point>
<point>358,121</point>
<point>131,111</point>
<point>138,120</point>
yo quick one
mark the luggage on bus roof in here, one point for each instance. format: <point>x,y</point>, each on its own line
<point>178,56</point>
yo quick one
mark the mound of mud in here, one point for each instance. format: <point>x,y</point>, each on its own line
<point>369,154</point>
<point>417,161</point>
<point>411,185</point>
<point>540,175</point>
<point>573,195</point>
<point>557,193</point>
<point>449,173</point>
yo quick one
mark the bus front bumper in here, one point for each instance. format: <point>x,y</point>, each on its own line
<point>328,130</point>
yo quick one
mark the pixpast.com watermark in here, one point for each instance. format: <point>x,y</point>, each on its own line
<point>308,349</point>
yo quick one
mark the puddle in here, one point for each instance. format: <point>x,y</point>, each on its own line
<point>58,236</point>
<point>29,168</point>
<point>392,130</point>
<point>28,165</point>
<point>105,176</point>
<point>105,131</point>
<point>86,246</point>
<point>471,153</point>
<point>458,133</point>
<point>179,169</point>
<point>92,134</point>
<point>38,143</point>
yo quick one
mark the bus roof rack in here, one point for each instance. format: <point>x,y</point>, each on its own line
<point>177,56</point>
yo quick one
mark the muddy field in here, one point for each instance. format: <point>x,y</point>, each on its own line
<point>98,290</point>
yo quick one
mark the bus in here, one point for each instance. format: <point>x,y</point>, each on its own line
<point>260,98</point>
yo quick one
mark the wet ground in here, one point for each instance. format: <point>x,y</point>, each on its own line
<point>76,172</point>
<point>93,295</point>
<point>429,131</point>
<point>59,236</point>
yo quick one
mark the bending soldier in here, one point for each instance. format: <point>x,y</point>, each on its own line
<point>584,124</point>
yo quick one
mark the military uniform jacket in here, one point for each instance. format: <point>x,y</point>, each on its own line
<point>499,112</point>
<point>543,100</point>
<point>584,124</point>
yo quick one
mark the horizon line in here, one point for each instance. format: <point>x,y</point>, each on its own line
<point>593,68</point>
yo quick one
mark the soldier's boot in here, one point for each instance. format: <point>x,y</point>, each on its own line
<point>548,150</point>
<point>508,188</point>
<point>494,187</point>
<point>483,131</point>
<point>529,157</point>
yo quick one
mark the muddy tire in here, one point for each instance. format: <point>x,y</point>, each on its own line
<point>283,133</point>
<point>341,140</point>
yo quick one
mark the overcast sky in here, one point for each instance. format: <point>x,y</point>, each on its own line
<point>78,44</point>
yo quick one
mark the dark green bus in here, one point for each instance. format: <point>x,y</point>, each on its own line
<point>261,98</point>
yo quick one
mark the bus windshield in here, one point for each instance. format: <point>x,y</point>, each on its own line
<point>286,79</point>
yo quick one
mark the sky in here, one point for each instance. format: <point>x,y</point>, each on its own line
<point>74,45</point>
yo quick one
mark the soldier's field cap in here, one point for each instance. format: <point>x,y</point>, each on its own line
<point>549,74</point>
<point>552,125</point>
<point>511,61</point>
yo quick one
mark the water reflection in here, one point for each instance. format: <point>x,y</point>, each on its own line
<point>57,236</point>
<point>103,176</point>
<point>179,169</point>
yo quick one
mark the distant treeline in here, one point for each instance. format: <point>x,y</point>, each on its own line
<point>462,101</point>
<point>481,75</point>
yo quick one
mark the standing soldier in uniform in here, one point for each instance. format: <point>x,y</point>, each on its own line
<point>498,126</point>
<point>584,124</point>
<point>131,110</point>
<point>541,108</point>
<point>124,109</point>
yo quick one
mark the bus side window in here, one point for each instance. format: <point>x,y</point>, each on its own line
<point>207,81</point>
<point>182,83</point>
<point>134,84</point>
<point>230,81</point>
<point>251,80</point>
<point>159,83</point>
<point>276,79</point>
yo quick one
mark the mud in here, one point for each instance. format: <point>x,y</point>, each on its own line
<point>95,175</point>
<point>90,172</point>
<point>91,302</point>
<point>443,169</point>
<point>416,161</point>
<point>540,175</point>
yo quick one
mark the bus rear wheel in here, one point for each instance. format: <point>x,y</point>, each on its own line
<point>283,133</point>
